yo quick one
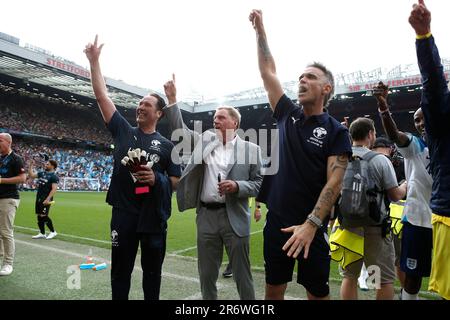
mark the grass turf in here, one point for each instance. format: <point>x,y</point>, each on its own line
<point>86,215</point>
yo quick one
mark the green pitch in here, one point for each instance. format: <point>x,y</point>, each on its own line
<point>84,218</point>
<point>80,216</point>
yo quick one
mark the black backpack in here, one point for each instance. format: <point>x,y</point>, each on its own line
<point>358,205</point>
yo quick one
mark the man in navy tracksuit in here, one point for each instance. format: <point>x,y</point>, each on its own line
<point>140,209</point>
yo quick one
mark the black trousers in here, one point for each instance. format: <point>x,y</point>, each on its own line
<point>42,213</point>
<point>125,243</point>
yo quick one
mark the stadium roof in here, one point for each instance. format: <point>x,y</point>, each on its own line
<point>356,83</point>
<point>38,71</point>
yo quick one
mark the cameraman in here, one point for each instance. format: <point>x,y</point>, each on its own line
<point>387,147</point>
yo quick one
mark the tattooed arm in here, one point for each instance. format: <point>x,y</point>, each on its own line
<point>265,60</point>
<point>303,234</point>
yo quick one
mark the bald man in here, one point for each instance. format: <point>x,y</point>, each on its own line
<point>12,173</point>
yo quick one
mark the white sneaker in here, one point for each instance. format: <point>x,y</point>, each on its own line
<point>6,270</point>
<point>39,236</point>
<point>51,235</point>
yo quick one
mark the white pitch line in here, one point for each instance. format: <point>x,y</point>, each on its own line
<point>196,296</point>
<point>170,275</point>
<point>79,255</point>
<point>177,252</point>
<point>67,235</point>
<point>68,253</point>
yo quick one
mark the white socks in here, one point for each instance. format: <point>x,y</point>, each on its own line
<point>407,296</point>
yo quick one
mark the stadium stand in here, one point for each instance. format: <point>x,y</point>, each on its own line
<point>38,115</point>
<point>47,105</point>
<point>72,162</point>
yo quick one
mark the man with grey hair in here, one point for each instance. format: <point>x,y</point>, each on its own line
<point>223,172</point>
<point>12,173</point>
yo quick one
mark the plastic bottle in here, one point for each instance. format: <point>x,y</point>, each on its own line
<point>100,266</point>
<point>85,266</point>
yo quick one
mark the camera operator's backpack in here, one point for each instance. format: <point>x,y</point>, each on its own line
<point>358,205</point>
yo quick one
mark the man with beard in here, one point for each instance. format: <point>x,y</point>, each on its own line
<point>47,187</point>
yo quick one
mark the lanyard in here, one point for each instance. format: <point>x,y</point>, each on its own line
<point>3,161</point>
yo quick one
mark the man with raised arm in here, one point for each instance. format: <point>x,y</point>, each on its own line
<point>435,106</point>
<point>415,260</point>
<point>314,150</point>
<point>140,197</point>
<point>223,172</point>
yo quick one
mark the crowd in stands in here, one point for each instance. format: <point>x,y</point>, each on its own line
<point>72,163</point>
<point>35,115</point>
<point>24,114</point>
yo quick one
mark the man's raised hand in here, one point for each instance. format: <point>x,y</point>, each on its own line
<point>380,92</point>
<point>256,18</point>
<point>93,51</point>
<point>170,90</point>
<point>346,123</point>
<point>420,18</point>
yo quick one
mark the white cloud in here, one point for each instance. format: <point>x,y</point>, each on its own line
<point>210,44</point>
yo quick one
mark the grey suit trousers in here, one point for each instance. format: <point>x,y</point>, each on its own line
<point>213,232</point>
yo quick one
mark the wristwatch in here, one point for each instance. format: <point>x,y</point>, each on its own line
<point>315,220</point>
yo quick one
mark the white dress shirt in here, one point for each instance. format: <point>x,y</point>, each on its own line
<point>216,163</point>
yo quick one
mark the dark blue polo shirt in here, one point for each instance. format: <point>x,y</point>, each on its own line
<point>305,143</point>
<point>121,192</point>
<point>45,181</point>
<point>11,166</point>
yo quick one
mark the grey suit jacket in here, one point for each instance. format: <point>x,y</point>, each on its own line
<point>245,169</point>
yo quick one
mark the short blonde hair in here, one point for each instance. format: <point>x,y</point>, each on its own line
<point>233,112</point>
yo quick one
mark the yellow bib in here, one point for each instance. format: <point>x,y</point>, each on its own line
<point>346,247</point>
<point>396,212</point>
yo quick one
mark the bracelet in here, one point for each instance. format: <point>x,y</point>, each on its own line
<point>423,36</point>
<point>314,220</point>
<point>382,113</point>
